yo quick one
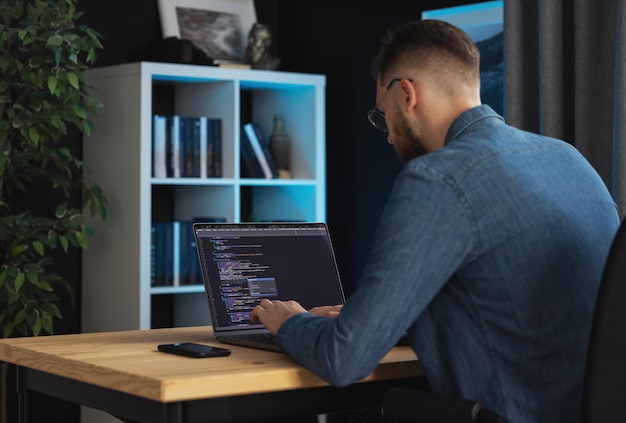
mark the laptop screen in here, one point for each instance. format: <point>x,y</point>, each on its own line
<point>242,263</point>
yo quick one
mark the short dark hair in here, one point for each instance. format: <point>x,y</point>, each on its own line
<point>426,43</point>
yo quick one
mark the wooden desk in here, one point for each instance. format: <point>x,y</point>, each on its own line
<point>123,374</point>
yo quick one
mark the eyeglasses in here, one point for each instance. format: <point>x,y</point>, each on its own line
<point>377,116</point>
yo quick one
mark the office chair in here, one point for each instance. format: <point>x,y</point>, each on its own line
<point>604,391</point>
<point>604,388</point>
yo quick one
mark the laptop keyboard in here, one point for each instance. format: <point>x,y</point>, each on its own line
<point>269,338</point>
<point>266,338</point>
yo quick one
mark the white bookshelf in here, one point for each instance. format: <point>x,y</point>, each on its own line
<point>116,269</point>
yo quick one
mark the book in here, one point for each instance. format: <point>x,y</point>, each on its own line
<point>269,156</point>
<point>192,270</point>
<point>159,146</point>
<point>163,253</point>
<point>153,258</point>
<point>189,132</point>
<point>262,153</point>
<point>193,148</point>
<point>175,159</point>
<point>176,254</point>
<point>216,141</point>
<point>206,150</point>
<point>175,258</point>
<point>251,168</point>
<point>159,253</point>
<point>184,252</point>
<point>187,147</point>
<point>211,152</point>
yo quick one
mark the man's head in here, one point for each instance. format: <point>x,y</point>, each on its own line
<point>427,72</point>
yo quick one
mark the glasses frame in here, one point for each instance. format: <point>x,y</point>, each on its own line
<point>376,116</point>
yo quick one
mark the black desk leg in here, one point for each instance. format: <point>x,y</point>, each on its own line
<point>23,396</point>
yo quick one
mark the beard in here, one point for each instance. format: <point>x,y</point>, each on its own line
<point>407,144</point>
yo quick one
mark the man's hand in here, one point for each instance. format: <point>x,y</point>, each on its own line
<point>326,311</point>
<point>274,313</point>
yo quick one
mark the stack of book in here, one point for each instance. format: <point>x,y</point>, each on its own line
<point>186,147</point>
<point>173,254</point>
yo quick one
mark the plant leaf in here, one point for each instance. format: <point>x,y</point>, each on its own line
<point>18,249</point>
<point>73,80</point>
<point>19,282</point>
<point>52,84</point>
<point>81,239</point>
<point>33,134</point>
<point>61,211</point>
<point>64,242</point>
<point>54,40</point>
<point>37,327</point>
<point>38,246</point>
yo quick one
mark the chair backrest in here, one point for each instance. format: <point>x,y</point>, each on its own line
<point>604,396</point>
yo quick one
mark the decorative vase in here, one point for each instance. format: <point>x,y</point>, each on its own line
<point>279,144</point>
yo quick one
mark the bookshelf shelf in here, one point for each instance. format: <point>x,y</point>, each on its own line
<point>194,181</point>
<point>190,289</point>
<point>117,289</point>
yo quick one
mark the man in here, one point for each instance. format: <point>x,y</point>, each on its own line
<point>489,252</point>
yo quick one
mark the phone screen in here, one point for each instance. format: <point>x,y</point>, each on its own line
<point>190,349</point>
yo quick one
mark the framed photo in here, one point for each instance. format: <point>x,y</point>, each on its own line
<point>218,27</point>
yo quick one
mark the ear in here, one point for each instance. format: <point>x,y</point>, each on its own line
<point>409,95</point>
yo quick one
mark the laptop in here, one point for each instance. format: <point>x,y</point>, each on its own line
<point>242,263</point>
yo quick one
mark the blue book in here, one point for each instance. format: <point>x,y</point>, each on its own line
<point>159,146</point>
<point>175,256</point>
<point>159,253</point>
<point>196,141</point>
<point>175,168</point>
<point>251,167</point>
<point>153,262</point>
<point>206,149</point>
<point>191,268</point>
<point>266,151</point>
<point>187,129</point>
<point>261,151</point>
<point>183,253</point>
<point>217,147</point>
<point>168,255</point>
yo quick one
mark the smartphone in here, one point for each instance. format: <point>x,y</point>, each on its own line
<point>190,349</point>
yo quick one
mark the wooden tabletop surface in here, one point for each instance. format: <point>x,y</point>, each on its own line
<point>128,361</point>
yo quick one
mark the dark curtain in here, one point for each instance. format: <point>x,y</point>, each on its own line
<point>565,77</point>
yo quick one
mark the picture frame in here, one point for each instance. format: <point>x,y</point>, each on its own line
<point>480,20</point>
<point>218,27</point>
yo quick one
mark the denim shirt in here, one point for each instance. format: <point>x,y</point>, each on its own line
<point>489,253</point>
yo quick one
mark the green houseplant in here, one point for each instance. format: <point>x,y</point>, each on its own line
<point>44,95</point>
